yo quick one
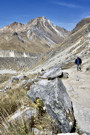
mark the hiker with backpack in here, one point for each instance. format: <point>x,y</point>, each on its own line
<point>78,61</point>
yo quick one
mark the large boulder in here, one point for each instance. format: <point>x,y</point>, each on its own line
<point>52,73</point>
<point>57,102</point>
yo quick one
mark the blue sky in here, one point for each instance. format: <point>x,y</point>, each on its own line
<point>64,13</point>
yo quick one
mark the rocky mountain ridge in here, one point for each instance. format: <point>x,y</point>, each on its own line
<point>14,27</point>
<point>81,24</point>
<point>38,35</point>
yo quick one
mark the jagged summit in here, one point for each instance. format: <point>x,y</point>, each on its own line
<point>15,23</point>
<point>38,19</point>
<point>37,33</point>
<point>42,28</point>
<point>13,27</point>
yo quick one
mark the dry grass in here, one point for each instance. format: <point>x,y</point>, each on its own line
<point>3,80</point>
<point>24,127</point>
<point>10,42</point>
<point>13,100</point>
<point>21,127</point>
<point>9,103</point>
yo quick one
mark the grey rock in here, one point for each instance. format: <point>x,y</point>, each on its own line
<point>25,113</point>
<point>16,78</point>
<point>27,83</point>
<point>65,75</point>
<point>11,80</point>
<point>57,102</point>
<point>38,132</point>
<point>21,39</point>
<point>88,68</point>
<point>52,73</point>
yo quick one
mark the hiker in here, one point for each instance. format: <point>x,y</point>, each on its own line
<point>78,61</point>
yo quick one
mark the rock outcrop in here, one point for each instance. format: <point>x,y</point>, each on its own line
<point>57,102</point>
<point>52,73</point>
<point>25,113</point>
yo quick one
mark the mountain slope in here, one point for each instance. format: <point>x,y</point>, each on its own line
<point>77,44</point>
<point>41,28</point>
<point>14,27</point>
<point>81,24</point>
<point>38,35</point>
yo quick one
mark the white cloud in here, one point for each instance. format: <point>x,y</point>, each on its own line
<point>68,5</point>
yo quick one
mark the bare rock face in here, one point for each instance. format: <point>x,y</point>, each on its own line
<point>43,29</point>
<point>57,102</point>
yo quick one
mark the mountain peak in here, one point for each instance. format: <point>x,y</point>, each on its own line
<point>15,24</point>
<point>38,19</point>
<point>13,27</point>
<point>43,17</point>
<point>81,24</point>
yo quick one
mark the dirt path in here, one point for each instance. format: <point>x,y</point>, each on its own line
<point>78,88</point>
